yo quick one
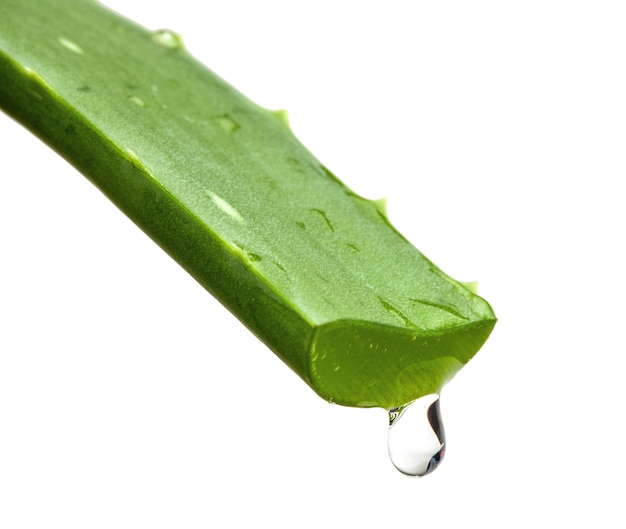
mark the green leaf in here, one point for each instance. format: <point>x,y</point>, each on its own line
<point>316,271</point>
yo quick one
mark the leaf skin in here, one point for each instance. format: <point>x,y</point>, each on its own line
<point>316,271</point>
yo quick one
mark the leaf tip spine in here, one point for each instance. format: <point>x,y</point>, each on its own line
<point>283,116</point>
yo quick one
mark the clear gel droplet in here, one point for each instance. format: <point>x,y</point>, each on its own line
<point>168,39</point>
<point>137,100</point>
<point>227,123</point>
<point>416,439</point>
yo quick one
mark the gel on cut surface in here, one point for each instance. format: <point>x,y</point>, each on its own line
<point>316,271</point>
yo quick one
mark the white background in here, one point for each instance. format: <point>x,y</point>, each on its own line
<point>130,398</point>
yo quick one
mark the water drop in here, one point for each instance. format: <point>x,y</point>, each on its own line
<point>168,39</point>
<point>416,439</point>
<point>227,123</point>
<point>225,206</point>
<point>72,46</point>
<point>137,100</point>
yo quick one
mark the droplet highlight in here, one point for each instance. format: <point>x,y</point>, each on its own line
<point>227,122</point>
<point>137,100</point>
<point>69,45</point>
<point>168,39</point>
<point>225,207</point>
<point>416,439</point>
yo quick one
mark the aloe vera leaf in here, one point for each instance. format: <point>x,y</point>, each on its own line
<point>317,272</point>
